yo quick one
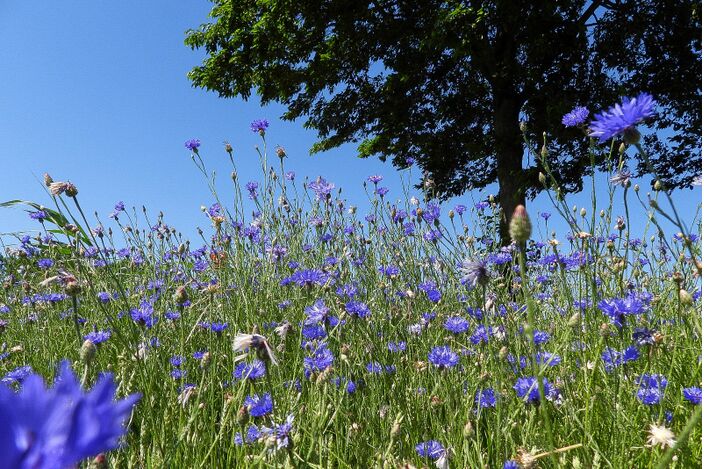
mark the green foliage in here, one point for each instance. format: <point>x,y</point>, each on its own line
<point>447,82</point>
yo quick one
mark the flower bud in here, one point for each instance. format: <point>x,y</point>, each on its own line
<point>181,295</point>
<point>47,180</point>
<point>583,212</point>
<point>71,190</point>
<point>658,185</point>
<point>72,288</point>
<point>88,351</point>
<point>520,227</point>
<point>544,152</point>
<point>541,178</point>
<point>685,298</point>
<point>631,136</point>
<point>468,430</point>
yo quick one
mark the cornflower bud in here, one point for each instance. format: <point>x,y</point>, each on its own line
<point>88,351</point>
<point>519,227</point>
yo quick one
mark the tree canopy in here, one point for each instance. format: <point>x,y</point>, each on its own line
<point>447,82</point>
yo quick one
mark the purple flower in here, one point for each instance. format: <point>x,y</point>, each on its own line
<point>259,125</point>
<point>456,324</point>
<point>192,144</point>
<point>280,432</point>
<point>18,375</point>
<point>45,263</point>
<point>251,371</point>
<point>375,179</point>
<point>693,395</point>
<point>485,398</point>
<point>527,389</point>
<point>98,337</point>
<point>39,215</point>
<point>575,117</point>
<point>430,449</point>
<point>61,426</point>
<point>443,357</point>
<point>259,406</point>
<point>252,189</point>
<point>321,188</point>
<point>622,118</point>
<point>474,273</point>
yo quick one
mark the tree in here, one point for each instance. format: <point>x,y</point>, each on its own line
<point>447,82</point>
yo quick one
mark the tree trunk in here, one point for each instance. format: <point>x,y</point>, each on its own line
<point>509,159</point>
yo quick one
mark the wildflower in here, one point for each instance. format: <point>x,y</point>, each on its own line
<point>693,395</point>
<point>62,426</point>
<point>519,227</point>
<point>474,273</point>
<point>651,388</point>
<point>280,433</point>
<point>621,178</point>
<point>245,342</point>
<point>575,117</point>
<point>660,435</point>
<point>251,371</point>
<point>259,406</point>
<point>320,360</point>
<point>321,188</point>
<point>443,357</point>
<point>375,179</point>
<point>527,389</point>
<point>192,144</point>
<point>259,126</point>
<point>39,215</point>
<point>485,398</point>
<point>456,324</point>
<point>18,375</point>
<point>431,449</point>
<point>98,337</point>
<point>253,434</point>
<point>622,119</point>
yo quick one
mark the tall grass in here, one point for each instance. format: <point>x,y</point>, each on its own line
<point>161,296</point>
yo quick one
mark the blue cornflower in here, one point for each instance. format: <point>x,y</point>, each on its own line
<point>575,117</point>
<point>321,188</point>
<point>431,449</point>
<point>98,337</point>
<point>317,313</point>
<point>613,358</point>
<point>218,327</point>
<point>547,358</point>
<point>693,395</point>
<point>527,389</point>
<point>651,388</point>
<point>390,271</point>
<point>396,347</point>
<point>62,426</point>
<point>251,371</point>
<point>252,435</point>
<point>474,273</point>
<point>39,215</point>
<point>485,398</point>
<point>18,375</point>
<point>172,315</point>
<point>314,332</point>
<point>622,118</point>
<point>375,179</point>
<point>443,357</point>
<point>481,334</point>
<point>176,360</point>
<point>192,144</point>
<point>321,359</point>
<point>178,373</point>
<point>456,324</point>
<point>511,464</point>
<point>357,308</point>
<point>540,337</point>
<point>280,432</point>
<point>45,263</point>
<point>259,406</point>
<point>259,125</point>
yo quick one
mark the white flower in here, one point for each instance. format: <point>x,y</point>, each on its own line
<point>660,435</point>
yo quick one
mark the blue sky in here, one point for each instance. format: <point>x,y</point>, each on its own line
<point>96,92</point>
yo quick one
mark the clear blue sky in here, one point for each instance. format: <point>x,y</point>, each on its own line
<point>96,92</point>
